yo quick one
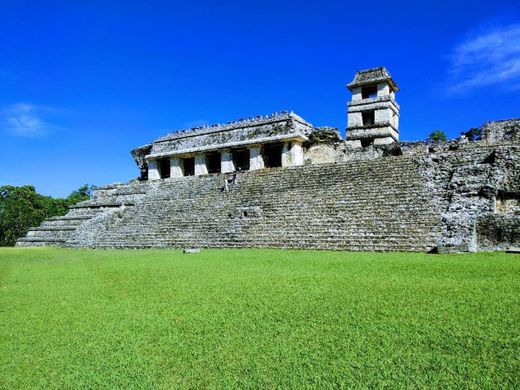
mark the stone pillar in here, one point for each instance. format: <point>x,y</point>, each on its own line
<point>382,116</point>
<point>395,120</point>
<point>297,153</point>
<point>256,161</point>
<point>355,119</point>
<point>200,165</point>
<point>292,154</point>
<point>176,167</point>
<point>383,89</point>
<point>356,94</point>
<point>286,160</point>
<point>153,170</point>
<point>227,164</point>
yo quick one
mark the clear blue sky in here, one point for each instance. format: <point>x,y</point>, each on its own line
<point>84,82</point>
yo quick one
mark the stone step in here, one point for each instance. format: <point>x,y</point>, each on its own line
<point>42,240</point>
<point>52,228</point>
<point>92,205</point>
<point>68,218</point>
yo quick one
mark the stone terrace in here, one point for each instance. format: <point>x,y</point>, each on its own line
<point>353,206</point>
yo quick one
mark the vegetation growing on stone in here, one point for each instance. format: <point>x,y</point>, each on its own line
<point>324,135</point>
<point>437,136</point>
<point>473,134</point>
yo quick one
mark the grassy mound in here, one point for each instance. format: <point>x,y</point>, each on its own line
<point>257,318</point>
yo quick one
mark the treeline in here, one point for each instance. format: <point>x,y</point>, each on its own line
<point>22,208</point>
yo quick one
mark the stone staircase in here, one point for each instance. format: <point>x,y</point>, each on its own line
<point>375,205</point>
<point>55,231</point>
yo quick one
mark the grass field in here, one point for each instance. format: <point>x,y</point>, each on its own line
<point>257,318</point>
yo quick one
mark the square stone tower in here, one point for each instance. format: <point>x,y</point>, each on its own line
<point>373,114</point>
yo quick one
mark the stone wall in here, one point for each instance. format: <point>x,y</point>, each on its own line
<point>502,131</point>
<point>498,232</point>
<point>467,182</point>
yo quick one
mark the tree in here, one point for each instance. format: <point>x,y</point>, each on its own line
<point>473,134</point>
<point>437,136</point>
<point>82,193</point>
<point>22,208</point>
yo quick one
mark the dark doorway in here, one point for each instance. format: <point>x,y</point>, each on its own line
<point>213,162</point>
<point>189,166</point>
<point>163,165</point>
<point>241,159</point>
<point>272,154</point>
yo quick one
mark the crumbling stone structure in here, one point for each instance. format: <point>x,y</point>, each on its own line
<point>300,186</point>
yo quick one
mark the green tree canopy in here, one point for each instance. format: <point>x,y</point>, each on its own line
<point>437,136</point>
<point>473,134</point>
<point>22,208</point>
<point>82,193</point>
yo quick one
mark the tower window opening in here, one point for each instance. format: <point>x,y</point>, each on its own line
<point>164,168</point>
<point>368,118</point>
<point>369,92</point>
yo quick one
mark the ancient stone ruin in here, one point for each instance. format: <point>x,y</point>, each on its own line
<point>278,181</point>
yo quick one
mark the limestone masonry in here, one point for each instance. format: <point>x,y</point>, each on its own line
<point>278,181</point>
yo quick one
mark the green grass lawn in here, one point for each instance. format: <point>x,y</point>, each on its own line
<point>257,318</point>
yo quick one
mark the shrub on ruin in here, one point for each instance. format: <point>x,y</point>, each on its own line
<point>473,134</point>
<point>437,136</point>
<point>325,135</point>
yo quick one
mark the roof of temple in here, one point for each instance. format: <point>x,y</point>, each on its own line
<point>371,76</point>
<point>255,130</point>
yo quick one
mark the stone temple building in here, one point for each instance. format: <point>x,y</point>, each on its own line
<point>278,181</point>
<point>247,145</point>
